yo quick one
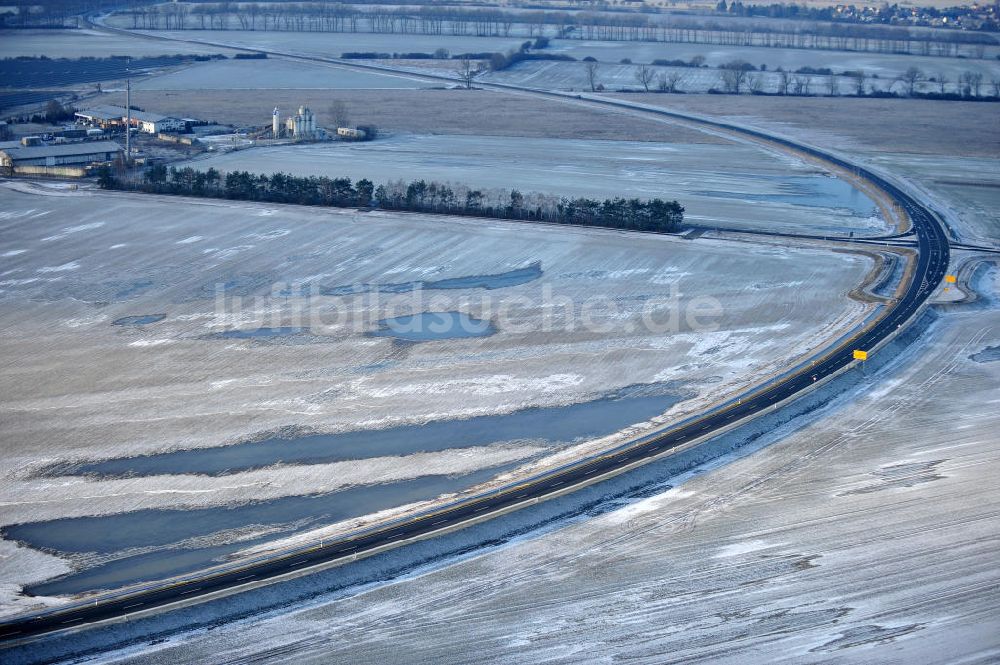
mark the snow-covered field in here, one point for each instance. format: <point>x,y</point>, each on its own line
<point>954,170</point>
<point>76,261</point>
<point>273,74</point>
<point>966,184</point>
<point>724,185</point>
<point>90,43</point>
<point>335,44</point>
<point>868,536</point>
<point>885,68</point>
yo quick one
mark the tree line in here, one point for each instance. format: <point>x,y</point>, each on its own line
<point>656,215</point>
<point>738,76</point>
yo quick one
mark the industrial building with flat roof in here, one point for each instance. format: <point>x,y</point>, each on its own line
<point>71,154</point>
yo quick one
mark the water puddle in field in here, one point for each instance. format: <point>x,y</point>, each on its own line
<point>497,281</point>
<point>990,354</point>
<point>147,545</point>
<point>814,191</point>
<point>257,333</point>
<point>139,320</point>
<point>116,550</point>
<point>431,326</point>
<point>553,425</point>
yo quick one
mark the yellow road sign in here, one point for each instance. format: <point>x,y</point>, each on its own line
<point>860,355</point>
<point>950,279</point>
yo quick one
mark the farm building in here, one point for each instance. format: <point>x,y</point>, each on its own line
<point>104,117</point>
<point>154,123</point>
<point>351,133</point>
<point>74,154</point>
<point>114,117</point>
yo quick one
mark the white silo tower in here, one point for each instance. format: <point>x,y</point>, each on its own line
<point>275,123</point>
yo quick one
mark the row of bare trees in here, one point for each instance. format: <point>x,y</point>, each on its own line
<point>452,20</point>
<point>739,77</point>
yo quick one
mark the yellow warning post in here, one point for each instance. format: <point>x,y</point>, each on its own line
<point>860,355</point>
<point>950,279</point>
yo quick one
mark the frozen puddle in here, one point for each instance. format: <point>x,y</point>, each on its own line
<point>430,326</point>
<point>988,355</point>
<point>553,425</point>
<point>139,320</point>
<point>147,545</point>
<point>814,191</point>
<point>495,281</point>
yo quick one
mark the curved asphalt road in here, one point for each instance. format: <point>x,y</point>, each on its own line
<point>931,266</point>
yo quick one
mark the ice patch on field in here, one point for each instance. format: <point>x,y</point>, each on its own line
<point>150,342</point>
<point>745,547</point>
<point>647,505</point>
<point>85,321</point>
<point>241,383</point>
<point>228,252</point>
<point>72,265</point>
<point>70,230</point>
<point>269,235</point>
<point>488,385</point>
<point>39,565</point>
<point>669,276</point>
<point>733,341</point>
<point>618,274</point>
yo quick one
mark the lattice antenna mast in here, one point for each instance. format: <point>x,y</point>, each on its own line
<point>128,111</point>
